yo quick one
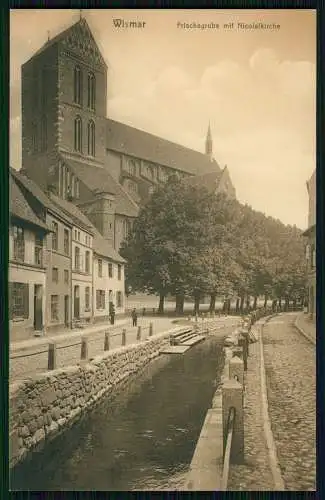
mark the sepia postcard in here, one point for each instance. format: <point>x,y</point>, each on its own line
<point>162,250</point>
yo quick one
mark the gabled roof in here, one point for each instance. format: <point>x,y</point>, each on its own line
<point>139,144</point>
<point>98,179</point>
<point>20,208</point>
<point>79,29</point>
<point>74,212</point>
<point>103,248</point>
<point>94,177</point>
<point>37,193</point>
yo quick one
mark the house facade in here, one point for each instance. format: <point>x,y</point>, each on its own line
<point>107,168</point>
<point>310,235</point>
<point>27,273</point>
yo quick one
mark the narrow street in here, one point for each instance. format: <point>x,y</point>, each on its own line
<point>290,364</point>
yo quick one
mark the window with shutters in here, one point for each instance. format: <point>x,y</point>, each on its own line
<point>87,262</point>
<point>66,242</point>
<point>119,299</point>
<point>100,268</point>
<point>38,250</point>
<point>77,259</point>
<point>66,276</point>
<point>110,270</point>
<point>55,275</point>
<point>119,271</point>
<point>19,300</point>
<point>54,308</point>
<point>55,234</point>
<point>87,298</point>
<point>19,243</point>
<point>100,299</point>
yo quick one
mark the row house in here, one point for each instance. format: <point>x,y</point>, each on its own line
<point>27,273</point>
<point>310,235</point>
<point>69,252</point>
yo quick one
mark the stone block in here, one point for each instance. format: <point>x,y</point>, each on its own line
<point>24,432</point>
<point>55,413</point>
<point>32,426</point>
<point>48,397</point>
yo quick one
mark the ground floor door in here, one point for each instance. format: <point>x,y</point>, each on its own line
<point>76,302</point>
<point>66,310</point>
<point>38,307</point>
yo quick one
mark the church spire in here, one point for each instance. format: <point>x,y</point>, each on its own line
<point>208,143</point>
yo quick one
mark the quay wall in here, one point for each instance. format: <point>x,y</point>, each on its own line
<point>47,404</point>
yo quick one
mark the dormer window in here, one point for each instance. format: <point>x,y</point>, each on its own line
<point>91,91</point>
<point>77,85</point>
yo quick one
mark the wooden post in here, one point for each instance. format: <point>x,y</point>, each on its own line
<point>150,329</point>
<point>84,348</point>
<point>51,365</point>
<point>123,336</point>
<point>106,343</point>
<point>139,333</point>
<point>236,369</point>
<point>233,397</point>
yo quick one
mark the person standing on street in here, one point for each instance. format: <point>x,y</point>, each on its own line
<point>134,317</point>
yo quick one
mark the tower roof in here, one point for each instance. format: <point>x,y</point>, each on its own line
<point>79,39</point>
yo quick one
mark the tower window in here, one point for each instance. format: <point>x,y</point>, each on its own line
<point>77,85</point>
<point>78,134</point>
<point>91,91</point>
<point>91,138</point>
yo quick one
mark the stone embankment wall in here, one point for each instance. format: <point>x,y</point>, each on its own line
<point>51,402</point>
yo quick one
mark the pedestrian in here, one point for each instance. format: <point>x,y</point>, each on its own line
<point>144,311</point>
<point>134,317</point>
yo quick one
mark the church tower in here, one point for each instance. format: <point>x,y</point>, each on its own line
<point>64,107</point>
<point>209,144</point>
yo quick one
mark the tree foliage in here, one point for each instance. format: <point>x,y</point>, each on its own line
<point>187,242</point>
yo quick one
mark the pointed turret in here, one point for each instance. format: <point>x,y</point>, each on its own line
<point>209,144</point>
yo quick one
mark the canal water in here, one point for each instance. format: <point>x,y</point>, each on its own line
<point>143,439</point>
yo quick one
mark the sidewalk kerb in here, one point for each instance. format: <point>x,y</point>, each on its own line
<point>308,337</point>
<point>274,462</point>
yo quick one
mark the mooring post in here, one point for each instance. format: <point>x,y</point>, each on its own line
<point>51,365</point>
<point>139,333</point>
<point>236,369</point>
<point>106,342</point>
<point>233,397</point>
<point>150,329</point>
<point>123,336</point>
<point>84,348</point>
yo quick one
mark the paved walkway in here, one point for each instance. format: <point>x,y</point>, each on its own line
<point>306,325</point>
<point>290,364</point>
<point>30,357</point>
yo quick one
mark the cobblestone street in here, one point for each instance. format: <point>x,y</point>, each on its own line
<point>290,364</point>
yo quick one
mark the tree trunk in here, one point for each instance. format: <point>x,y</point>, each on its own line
<point>280,303</point>
<point>265,301</point>
<point>179,304</point>
<point>248,299</point>
<point>228,306</point>
<point>255,302</point>
<point>161,303</point>
<point>237,305</point>
<point>212,306</point>
<point>294,304</point>
<point>242,298</point>
<point>196,304</point>
<point>286,308</point>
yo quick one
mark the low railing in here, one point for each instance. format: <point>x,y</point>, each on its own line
<point>227,454</point>
<point>103,339</point>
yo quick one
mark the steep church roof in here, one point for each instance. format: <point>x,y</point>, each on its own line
<point>134,142</point>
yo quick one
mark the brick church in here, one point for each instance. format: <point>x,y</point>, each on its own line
<point>69,145</point>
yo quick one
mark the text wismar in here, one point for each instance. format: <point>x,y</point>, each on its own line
<point>121,23</point>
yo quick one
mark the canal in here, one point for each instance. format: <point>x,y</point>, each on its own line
<point>143,439</point>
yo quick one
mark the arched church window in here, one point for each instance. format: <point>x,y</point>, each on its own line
<point>77,85</point>
<point>78,134</point>
<point>91,138</point>
<point>91,90</point>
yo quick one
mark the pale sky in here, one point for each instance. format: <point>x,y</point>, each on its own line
<point>257,88</point>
